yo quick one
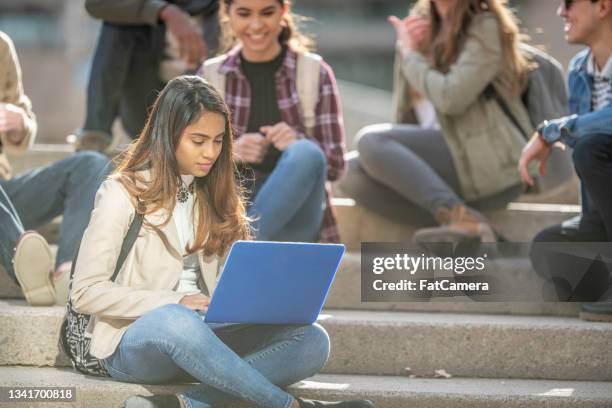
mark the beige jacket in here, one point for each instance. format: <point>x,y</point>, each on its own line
<point>146,281</point>
<point>11,91</point>
<point>484,143</point>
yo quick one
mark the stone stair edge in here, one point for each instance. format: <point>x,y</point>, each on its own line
<point>474,345</point>
<point>385,391</point>
<point>19,307</point>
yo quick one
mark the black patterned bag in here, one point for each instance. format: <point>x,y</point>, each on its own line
<point>72,333</point>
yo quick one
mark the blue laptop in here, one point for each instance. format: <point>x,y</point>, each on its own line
<point>274,282</point>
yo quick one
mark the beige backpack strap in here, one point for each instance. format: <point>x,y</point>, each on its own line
<point>211,73</point>
<point>308,74</point>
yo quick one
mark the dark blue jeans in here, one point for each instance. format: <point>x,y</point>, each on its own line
<point>584,277</point>
<point>124,79</point>
<point>29,200</point>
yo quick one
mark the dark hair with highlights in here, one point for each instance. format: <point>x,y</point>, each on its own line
<point>219,203</point>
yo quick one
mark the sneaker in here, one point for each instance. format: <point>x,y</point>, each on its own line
<point>597,312</point>
<point>33,263</point>
<point>306,403</point>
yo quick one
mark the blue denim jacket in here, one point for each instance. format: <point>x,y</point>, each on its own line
<point>581,121</point>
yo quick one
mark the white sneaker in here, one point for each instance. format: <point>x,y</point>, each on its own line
<point>33,263</point>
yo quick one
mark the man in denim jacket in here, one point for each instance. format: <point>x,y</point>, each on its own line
<point>588,130</point>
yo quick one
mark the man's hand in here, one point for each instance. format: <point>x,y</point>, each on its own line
<point>11,122</point>
<point>251,148</point>
<point>196,302</point>
<point>191,45</point>
<point>410,32</point>
<point>280,135</point>
<point>536,149</point>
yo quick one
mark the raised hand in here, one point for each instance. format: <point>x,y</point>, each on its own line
<point>410,31</point>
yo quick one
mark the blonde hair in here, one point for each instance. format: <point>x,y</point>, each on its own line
<point>445,41</point>
<point>290,34</point>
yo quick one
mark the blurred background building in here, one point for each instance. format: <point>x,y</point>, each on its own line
<point>55,41</point>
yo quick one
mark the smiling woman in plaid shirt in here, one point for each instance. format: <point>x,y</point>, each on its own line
<point>286,165</point>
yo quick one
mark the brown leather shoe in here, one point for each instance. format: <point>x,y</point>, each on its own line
<point>90,140</point>
<point>459,223</point>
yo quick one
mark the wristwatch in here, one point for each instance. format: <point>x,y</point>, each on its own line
<point>540,130</point>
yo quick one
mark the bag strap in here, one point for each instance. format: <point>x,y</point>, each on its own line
<point>211,73</point>
<point>129,241</point>
<point>491,92</point>
<point>126,247</point>
<point>308,72</point>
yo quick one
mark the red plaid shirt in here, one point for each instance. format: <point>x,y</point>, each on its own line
<point>328,130</point>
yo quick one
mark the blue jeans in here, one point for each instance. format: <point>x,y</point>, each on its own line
<point>124,77</point>
<point>240,362</point>
<point>29,200</point>
<point>289,202</point>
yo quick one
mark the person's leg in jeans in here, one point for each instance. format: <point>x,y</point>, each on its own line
<point>593,163</point>
<point>11,229</point>
<point>407,173</point>
<point>561,255</point>
<point>173,343</point>
<point>143,81</point>
<point>25,256</point>
<point>109,77</point>
<point>289,205</point>
<point>67,188</point>
<point>414,162</point>
<point>379,198</point>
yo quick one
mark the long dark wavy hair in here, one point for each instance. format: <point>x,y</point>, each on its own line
<point>150,173</point>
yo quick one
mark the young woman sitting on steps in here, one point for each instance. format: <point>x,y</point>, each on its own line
<point>147,325</point>
<point>452,143</point>
<point>286,148</point>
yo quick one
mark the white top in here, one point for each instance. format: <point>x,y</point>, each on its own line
<point>183,219</point>
<point>602,84</point>
<point>426,114</point>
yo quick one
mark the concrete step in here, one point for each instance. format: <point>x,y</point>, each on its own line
<point>345,293</point>
<point>385,343</point>
<point>519,222</point>
<point>385,392</point>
